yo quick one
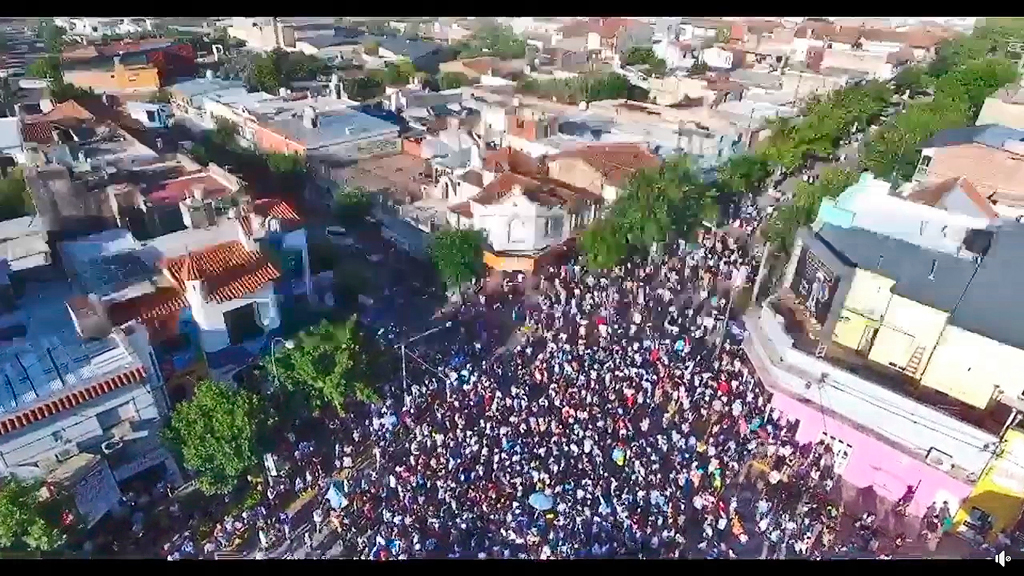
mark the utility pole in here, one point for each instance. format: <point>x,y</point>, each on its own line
<point>405,380</point>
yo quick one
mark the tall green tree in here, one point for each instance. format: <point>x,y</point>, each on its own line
<point>803,210</point>
<point>216,433</point>
<point>52,36</point>
<point>604,244</point>
<point>26,522</point>
<point>265,75</point>
<point>352,206</point>
<point>328,366</point>
<point>15,199</point>
<point>47,67</point>
<point>450,80</point>
<point>492,40</point>
<point>458,256</point>
<point>743,174</point>
<point>399,73</point>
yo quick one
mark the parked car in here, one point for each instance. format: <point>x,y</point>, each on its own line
<point>339,236</point>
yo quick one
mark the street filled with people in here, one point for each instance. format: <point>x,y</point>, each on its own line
<point>622,420</point>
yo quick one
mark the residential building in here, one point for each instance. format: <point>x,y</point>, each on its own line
<point>602,169</point>
<point>326,139</point>
<point>11,143</point>
<point>128,67</point>
<point>426,56</point>
<point>75,385</point>
<point>23,246</point>
<point>475,68</point>
<point>262,34</point>
<point>677,53</point>
<point>521,216</point>
<point>187,96</point>
<point>875,65</point>
<point>152,116</point>
<point>701,30</point>
<point>554,60</point>
<point>722,58</point>
<point>88,27</point>
<point>954,195</point>
<point>988,156</point>
<point>1004,108</point>
<point>610,37</point>
<point>677,89</point>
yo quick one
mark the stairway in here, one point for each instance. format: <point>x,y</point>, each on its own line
<point>914,364</point>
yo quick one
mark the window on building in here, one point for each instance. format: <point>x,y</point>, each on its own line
<point>518,233</point>
<point>151,116</point>
<point>841,452</point>
<point>554,226</point>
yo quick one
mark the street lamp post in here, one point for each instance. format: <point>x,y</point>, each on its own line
<point>405,382</point>
<point>288,344</point>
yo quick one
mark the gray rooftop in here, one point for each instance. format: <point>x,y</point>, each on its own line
<point>111,264</point>
<point>335,127</point>
<point>409,48</point>
<point>10,133</point>
<point>199,86</point>
<point>991,135</point>
<point>49,326</point>
<point>986,302</point>
<point>21,239</point>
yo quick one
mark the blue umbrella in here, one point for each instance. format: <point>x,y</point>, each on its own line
<point>541,501</point>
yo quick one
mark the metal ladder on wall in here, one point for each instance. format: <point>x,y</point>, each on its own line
<point>915,362</point>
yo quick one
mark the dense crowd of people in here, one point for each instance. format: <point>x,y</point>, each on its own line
<point>624,421</point>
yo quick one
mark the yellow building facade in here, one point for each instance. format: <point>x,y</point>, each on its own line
<point>998,497</point>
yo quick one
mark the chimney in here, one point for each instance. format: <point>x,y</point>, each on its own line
<point>209,74</point>
<point>309,118</point>
<point>282,91</point>
<point>46,104</point>
<point>117,61</point>
<point>197,192</point>
<point>245,226</point>
<point>190,278</point>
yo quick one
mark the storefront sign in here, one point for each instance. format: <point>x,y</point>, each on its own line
<point>97,493</point>
<point>144,462</point>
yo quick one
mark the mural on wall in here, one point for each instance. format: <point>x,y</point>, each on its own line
<point>815,285</point>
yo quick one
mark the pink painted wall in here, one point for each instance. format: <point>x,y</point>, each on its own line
<point>875,466</point>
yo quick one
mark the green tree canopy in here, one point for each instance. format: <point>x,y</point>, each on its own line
<point>365,88</point>
<point>640,55</point>
<point>399,73</point>
<point>743,174</point>
<point>450,80</point>
<point>265,75</point>
<point>47,67</point>
<point>492,40</point>
<point>458,255</point>
<point>784,223</point>
<point>15,199</point>
<point>604,244</point>
<point>352,206</point>
<point>26,522</point>
<point>583,88</point>
<point>216,434</point>
<point>328,366</point>
<point>655,205</point>
<point>53,36</point>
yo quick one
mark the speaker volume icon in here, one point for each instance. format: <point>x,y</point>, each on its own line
<point>1002,559</point>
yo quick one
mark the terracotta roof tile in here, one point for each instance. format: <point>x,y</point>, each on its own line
<point>275,208</point>
<point>37,132</point>
<point>227,270</point>
<point>990,170</point>
<point>464,209</point>
<point>544,191</point>
<point>68,401</point>
<point>482,65</point>
<point>66,110</point>
<point>511,160</point>
<point>160,302</point>
<point>616,162</point>
<point>176,190</point>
